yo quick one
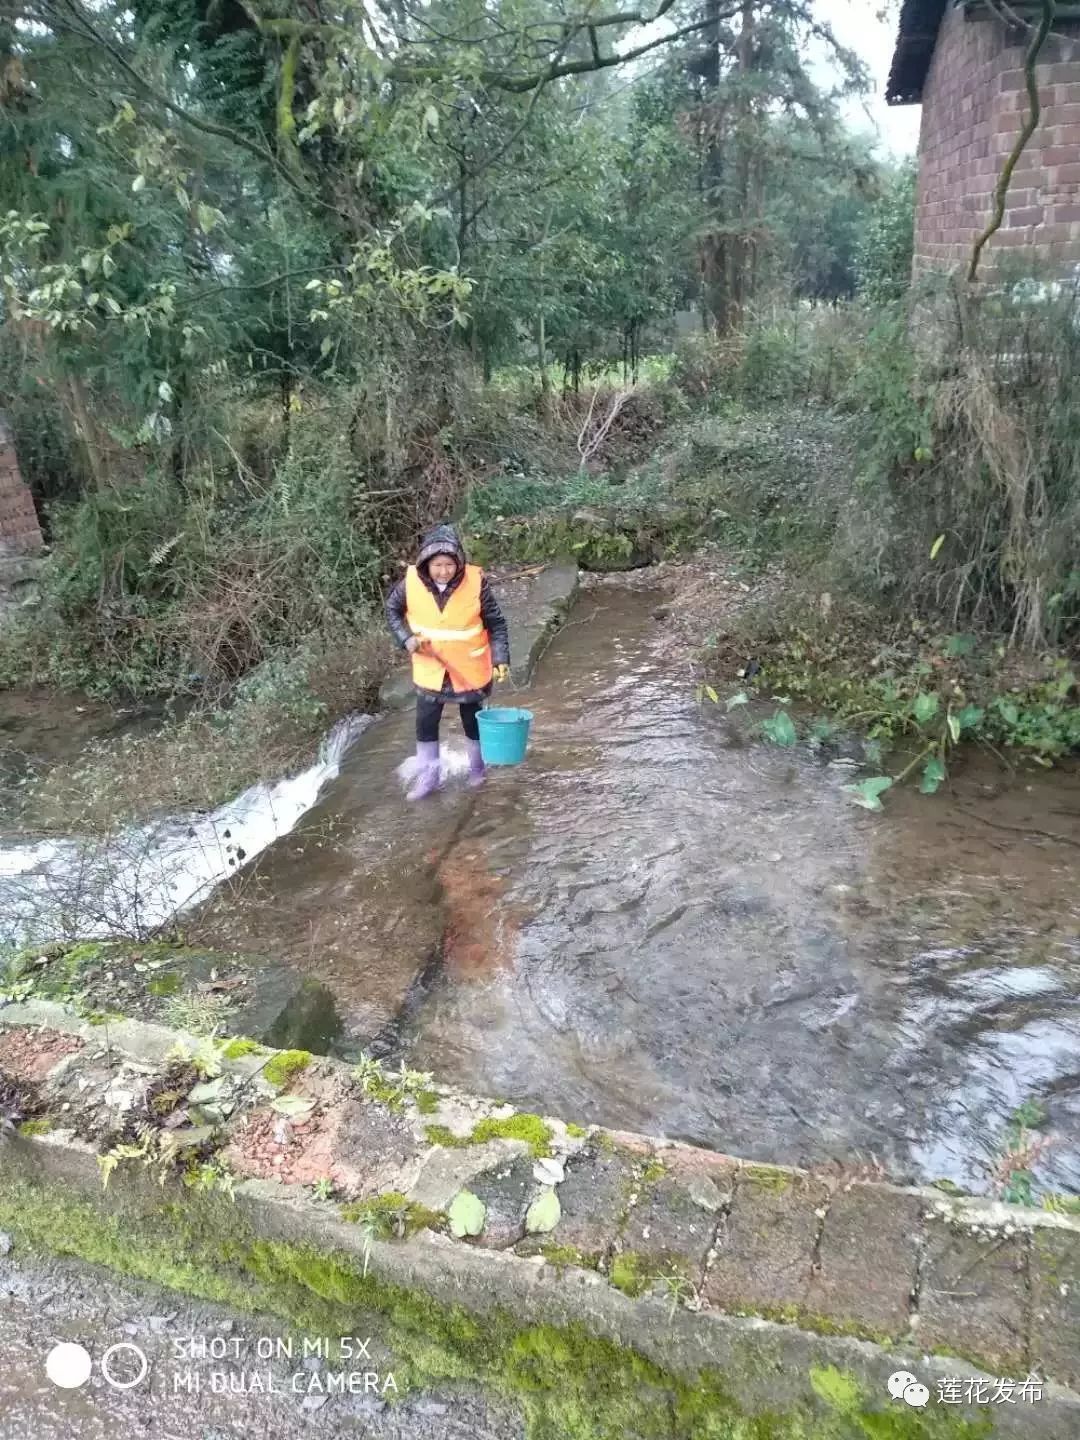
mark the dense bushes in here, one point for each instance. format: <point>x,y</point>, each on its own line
<point>961,497</point>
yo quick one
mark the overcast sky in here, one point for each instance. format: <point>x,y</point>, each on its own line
<point>857,26</point>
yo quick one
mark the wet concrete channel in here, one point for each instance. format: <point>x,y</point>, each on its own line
<point>659,924</point>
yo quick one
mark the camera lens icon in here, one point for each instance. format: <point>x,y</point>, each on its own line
<point>124,1365</point>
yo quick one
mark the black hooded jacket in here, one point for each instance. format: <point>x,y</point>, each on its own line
<point>444,540</point>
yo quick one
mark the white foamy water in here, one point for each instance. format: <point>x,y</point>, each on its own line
<point>133,883</point>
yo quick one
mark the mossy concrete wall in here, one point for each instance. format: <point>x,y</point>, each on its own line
<point>679,1292</point>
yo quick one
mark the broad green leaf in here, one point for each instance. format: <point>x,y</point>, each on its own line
<point>139,183</point>
<point>108,265</point>
<point>292,1106</point>
<point>932,776</point>
<point>543,1214</point>
<point>326,346</point>
<point>431,119</point>
<point>740,699</point>
<point>207,217</point>
<point>779,728</point>
<point>164,391</point>
<point>1008,712</point>
<point>711,693</point>
<point>936,547</point>
<point>90,264</point>
<point>466,1214</point>
<point>954,727</point>
<point>925,707</point>
<point>867,793</point>
<point>970,716</point>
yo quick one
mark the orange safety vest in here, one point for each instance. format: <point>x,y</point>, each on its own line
<point>458,643</point>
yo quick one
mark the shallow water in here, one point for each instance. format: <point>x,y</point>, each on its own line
<point>136,881</point>
<point>657,924</point>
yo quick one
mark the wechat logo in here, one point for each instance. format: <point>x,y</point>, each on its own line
<point>905,1386</point>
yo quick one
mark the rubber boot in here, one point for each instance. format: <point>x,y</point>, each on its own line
<point>428,772</point>
<point>477,770</point>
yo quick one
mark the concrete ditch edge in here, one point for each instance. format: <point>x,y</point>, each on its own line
<point>782,1283</point>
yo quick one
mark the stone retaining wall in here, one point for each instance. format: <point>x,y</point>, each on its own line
<point>746,1289</point>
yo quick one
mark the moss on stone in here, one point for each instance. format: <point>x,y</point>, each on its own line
<point>392,1214</point>
<point>568,1383</point>
<point>164,985</point>
<point>522,1126</point>
<point>769,1177</point>
<point>536,1133</point>
<point>818,1324</point>
<point>441,1135</point>
<point>569,1255</point>
<point>629,1274</point>
<point>282,1069</point>
<point>577,1132</point>
<point>654,1170</point>
<point>40,1126</point>
<point>427,1102</point>
<point>239,1047</point>
<point>86,952</point>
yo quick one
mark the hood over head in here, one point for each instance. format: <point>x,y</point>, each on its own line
<point>443,540</point>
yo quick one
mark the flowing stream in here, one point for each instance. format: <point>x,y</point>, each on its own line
<point>659,923</point>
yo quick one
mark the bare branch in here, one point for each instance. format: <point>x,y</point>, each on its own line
<point>1028,128</point>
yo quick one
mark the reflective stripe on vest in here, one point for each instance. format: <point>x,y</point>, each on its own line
<point>451,634</point>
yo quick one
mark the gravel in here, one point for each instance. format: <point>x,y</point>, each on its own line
<point>46,1301</point>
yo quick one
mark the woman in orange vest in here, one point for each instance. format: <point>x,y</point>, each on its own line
<point>445,614</point>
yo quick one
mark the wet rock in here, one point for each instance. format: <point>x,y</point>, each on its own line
<point>973,1298</point>
<point>594,1198</point>
<point>445,1172</point>
<point>706,1194</point>
<point>506,1193</point>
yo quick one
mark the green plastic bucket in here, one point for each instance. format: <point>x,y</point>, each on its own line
<point>504,735</point>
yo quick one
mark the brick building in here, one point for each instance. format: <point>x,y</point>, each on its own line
<point>20,533</point>
<point>965,65</point>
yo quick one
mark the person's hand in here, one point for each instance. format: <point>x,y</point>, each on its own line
<point>502,672</point>
<point>413,643</point>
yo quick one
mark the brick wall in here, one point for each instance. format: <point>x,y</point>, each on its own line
<point>20,532</point>
<point>974,102</point>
